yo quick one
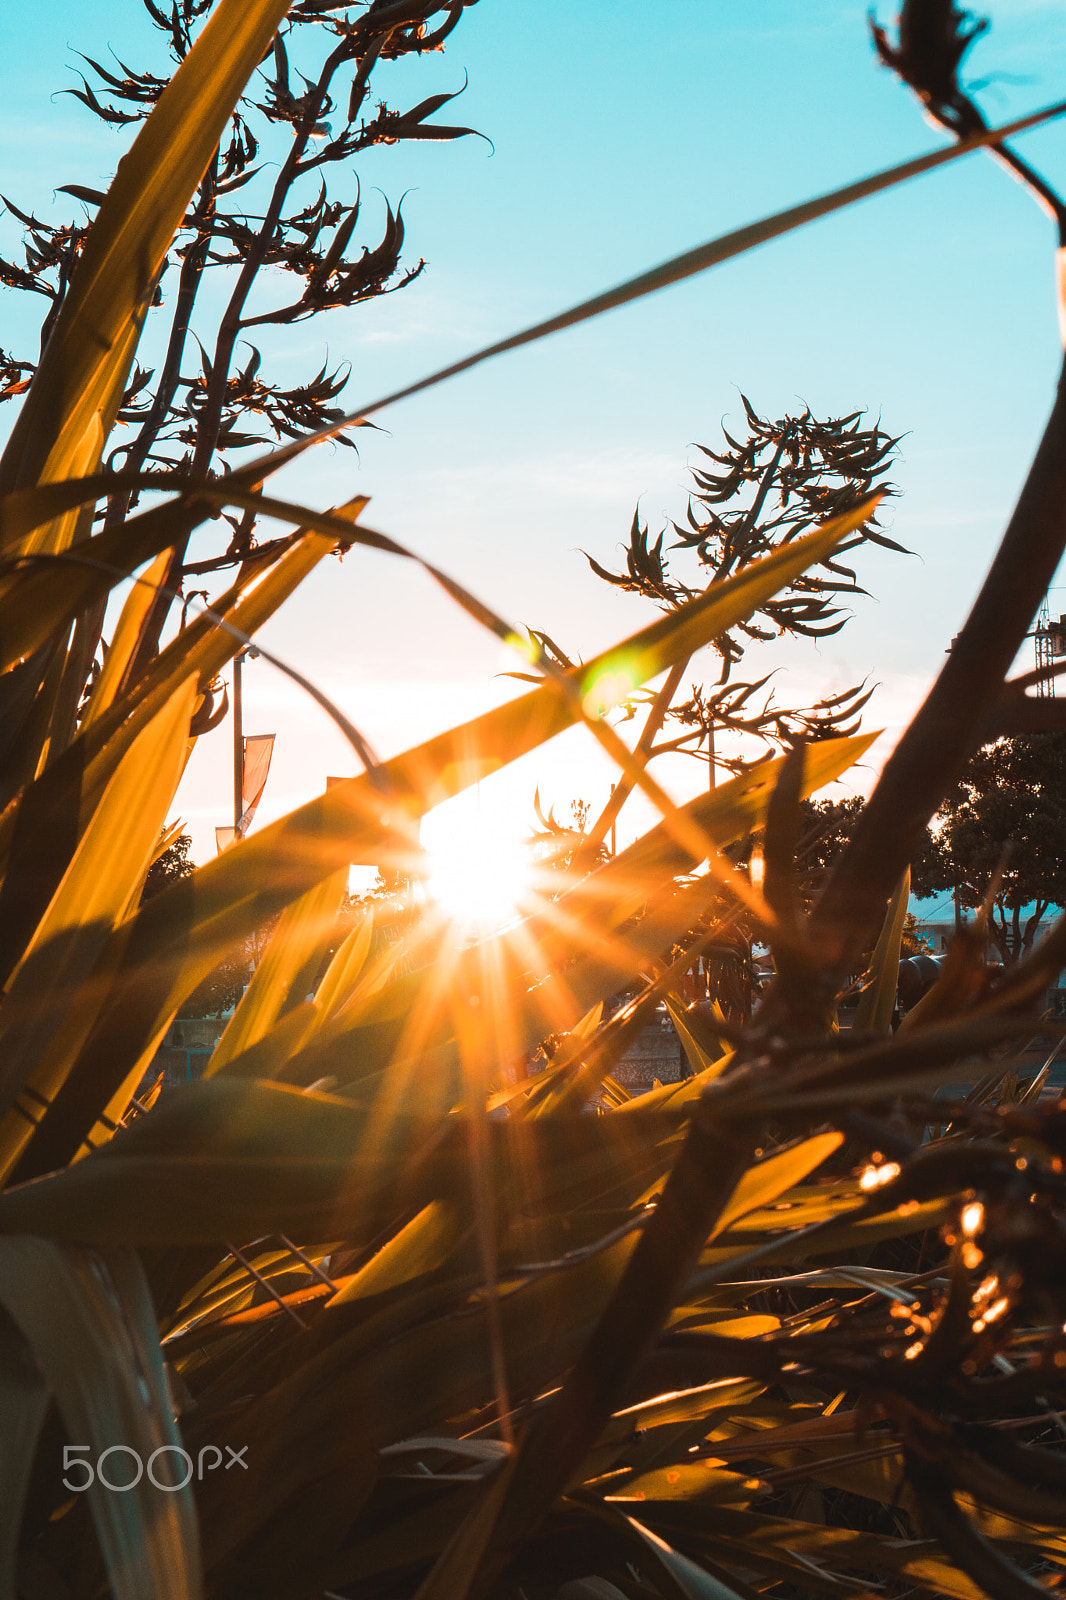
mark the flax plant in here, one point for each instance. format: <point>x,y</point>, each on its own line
<point>421,1325</point>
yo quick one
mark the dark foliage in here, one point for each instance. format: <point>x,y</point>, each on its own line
<point>934,36</point>
<point>758,494</point>
<point>221,989</point>
<point>784,479</point>
<point>827,826</point>
<point>1003,829</point>
<point>171,864</point>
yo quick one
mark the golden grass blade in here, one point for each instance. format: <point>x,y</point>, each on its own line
<point>88,1322</point>
<point>225,1282</point>
<point>47,1010</point>
<point>38,599</point>
<point>125,638</point>
<point>304,927</point>
<point>423,1245</point>
<point>39,594</point>
<point>169,834</point>
<point>62,801</point>
<point>112,1114</point>
<point>706,1480</point>
<point>342,974</point>
<point>270,1055</point>
<point>874,1011</point>
<point>684,1406</point>
<point>354,822</point>
<point>690,1580</point>
<point>62,425</point>
<point>23,511</point>
<point>230,1158</point>
<point>699,1059</point>
<point>751,1534</point>
<point>770,1178</point>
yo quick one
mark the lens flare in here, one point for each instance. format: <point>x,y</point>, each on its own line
<point>479,876</point>
<point>874,1177</point>
<point>613,683</point>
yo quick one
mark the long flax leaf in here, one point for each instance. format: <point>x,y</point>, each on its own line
<point>49,1004</point>
<point>675,270</point>
<point>234,892</point>
<point>561,959</point>
<point>672,271</point>
<point>39,831</point>
<point>354,821</point>
<point>41,591</point>
<point>88,1322</point>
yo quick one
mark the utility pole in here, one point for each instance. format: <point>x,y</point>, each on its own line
<point>238,745</point>
<point>247,652</point>
<point>1049,640</point>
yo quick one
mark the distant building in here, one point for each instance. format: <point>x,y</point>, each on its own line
<point>655,1056</point>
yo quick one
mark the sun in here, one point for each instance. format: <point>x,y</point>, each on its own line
<point>479,874</point>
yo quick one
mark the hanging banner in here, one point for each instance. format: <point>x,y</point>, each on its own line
<point>258,749</point>
<point>223,838</point>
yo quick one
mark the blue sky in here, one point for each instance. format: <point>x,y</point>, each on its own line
<point>623,133</point>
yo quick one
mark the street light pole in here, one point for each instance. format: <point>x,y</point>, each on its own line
<point>238,746</point>
<point>247,652</point>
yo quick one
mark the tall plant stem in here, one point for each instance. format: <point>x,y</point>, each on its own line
<point>229,328</point>
<point>1042,192</point>
<point>624,787</point>
<point>210,423</point>
<point>933,751</point>
<point>192,269</point>
<point>749,521</point>
<point>189,278</point>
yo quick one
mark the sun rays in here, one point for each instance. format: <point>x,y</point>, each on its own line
<point>479,875</point>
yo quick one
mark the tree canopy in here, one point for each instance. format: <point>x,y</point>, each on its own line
<point>1004,821</point>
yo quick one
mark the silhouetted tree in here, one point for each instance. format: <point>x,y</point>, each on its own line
<point>1004,825</point>
<point>759,493</point>
<point>172,863</point>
